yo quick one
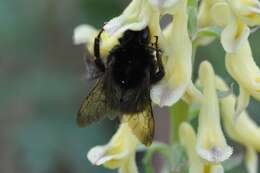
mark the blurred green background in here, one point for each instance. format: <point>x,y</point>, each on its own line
<point>42,85</point>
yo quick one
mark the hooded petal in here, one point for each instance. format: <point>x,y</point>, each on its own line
<point>242,67</point>
<point>242,101</point>
<point>211,144</point>
<point>250,135</point>
<point>212,13</point>
<point>247,10</point>
<point>234,35</point>
<point>118,153</point>
<point>131,18</point>
<point>220,13</point>
<point>179,65</point>
<point>196,164</point>
<point>136,16</point>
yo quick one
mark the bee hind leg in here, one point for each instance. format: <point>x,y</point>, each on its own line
<point>159,74</point>
<point>98,61</point>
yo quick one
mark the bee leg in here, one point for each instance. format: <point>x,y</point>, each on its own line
<point>98,61</point>
<point>158,75</point>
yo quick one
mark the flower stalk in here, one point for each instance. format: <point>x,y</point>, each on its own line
<point>194,25</point>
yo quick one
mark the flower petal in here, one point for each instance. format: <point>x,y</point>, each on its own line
<point>129,166</point>
<point>179,65</point>
<point>164,94</point>
<point>251,160</point>
<point>244,121</point>
<point>119,152</point>
<point>134,17</point>
<point>221,13</point>
<point>165,6</point>
<point>234,35</point>
<point>242,67</point>
<point>196,164</point>
<point>247,10</point>
<point>100,155</point>
<point>242,102</point>
<point>84,34</point>
<point>188,140</point>
<point>217,169</point>
<point>211,144</point>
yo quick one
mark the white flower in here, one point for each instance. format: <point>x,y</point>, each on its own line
<point>119,153</point>
<point>211,144</point>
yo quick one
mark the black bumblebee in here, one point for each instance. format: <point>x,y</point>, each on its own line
<point>124,82</point>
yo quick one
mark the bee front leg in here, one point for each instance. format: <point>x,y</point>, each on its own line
<point>98,61</point>
<point>159,74</point>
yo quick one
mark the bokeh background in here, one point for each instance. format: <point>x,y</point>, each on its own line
<point>42,85</point>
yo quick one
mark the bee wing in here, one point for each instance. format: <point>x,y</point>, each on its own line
<point>142,125</point>
<point>92,72</point>
<point>94,106</point>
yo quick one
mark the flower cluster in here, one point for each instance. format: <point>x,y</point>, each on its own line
<point>194,24</point>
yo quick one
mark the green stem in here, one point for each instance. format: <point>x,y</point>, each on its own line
<point>179,114</point>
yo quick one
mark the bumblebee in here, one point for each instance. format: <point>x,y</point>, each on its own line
<point>123,83</point>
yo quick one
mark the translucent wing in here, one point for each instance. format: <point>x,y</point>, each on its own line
<point>92,72</point>
<point>142,124</point>
<point>94,106</point>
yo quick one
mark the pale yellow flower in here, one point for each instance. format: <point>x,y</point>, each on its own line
<point>211,144</point>
<point>242,67</point>
<point>212,13</point>
<point>244,130</point>
<point>137,15</point>
<point>234,35</point>
<point>220,13</point>
<point>178,66</point>
<point>119,153</point>
<point>247,10</point>
<point>165,6</point>
<point>85,34</point>
<point>196,164</point>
